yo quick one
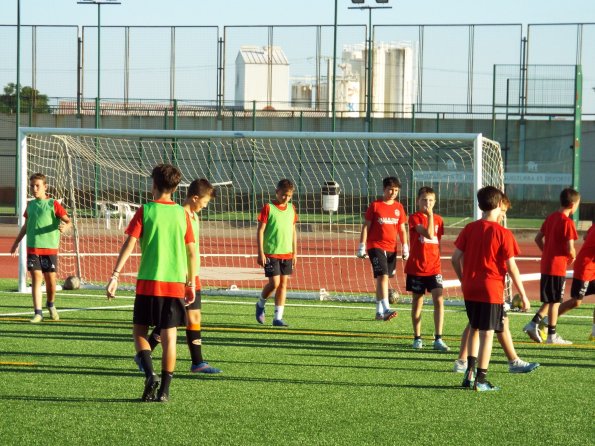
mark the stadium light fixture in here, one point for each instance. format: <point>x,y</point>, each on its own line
<point>98,3</point>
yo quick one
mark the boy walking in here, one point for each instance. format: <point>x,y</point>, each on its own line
<point>383,220</point>
<point>555,239</point>
<point>276,241</point>
<point>45,220</point>
<point>484,252</point>
<point>165,277</point>
<point>423,269</point>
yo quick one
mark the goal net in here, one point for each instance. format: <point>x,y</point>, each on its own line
<point>102,176</point>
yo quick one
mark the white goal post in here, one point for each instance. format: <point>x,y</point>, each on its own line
<point>103,175</point>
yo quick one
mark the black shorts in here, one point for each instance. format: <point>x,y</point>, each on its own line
<point>43,263</point>
<point>552,288</point>
<point>383,262</point>
<point>278,267</point>
<point>163,312</point>
<point>419,284</point>
<point>485,316</point>
<point>197,304</point>
<point>582,288</point>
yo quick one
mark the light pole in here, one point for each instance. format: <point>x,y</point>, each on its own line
<point>98,3</point>
<point>369,49</point>
<point>333,103</point>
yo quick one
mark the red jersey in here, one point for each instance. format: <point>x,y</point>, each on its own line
<point>263,217</point>
<point>558,229</point>
<point>385,219</point>
<point>486,246</point>
<point>60,212</point>
<point>584,265</point>
<point>156,287</point>
<point>424,254</point>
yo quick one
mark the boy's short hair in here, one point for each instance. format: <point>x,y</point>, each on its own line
<point>166,177</point>
<point>391,182</point>
<point>488,198</point>
<point>425,190</point>
<point>285,185</point>
<point>201,188</point>
<point>506,201</point>
<point>38,176</point>
<point>568,197</point>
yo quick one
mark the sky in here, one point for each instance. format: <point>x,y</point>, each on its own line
<point>289,12</point>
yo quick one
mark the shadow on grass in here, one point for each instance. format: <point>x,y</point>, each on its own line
<point>49,399</point>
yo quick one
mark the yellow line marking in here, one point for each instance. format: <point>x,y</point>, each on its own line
<point>28,364</point>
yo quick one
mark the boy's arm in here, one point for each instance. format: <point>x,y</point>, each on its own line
<point>571,250</point>
<point>429,231</point>
<point>363,237</point>
<point>190,289</point>
<point>125,252</point>
<point>294,259</point>
<point>66,223</point>
<point>457,263</point>
<point>261,259</point>
<point>404,241</point>
<point>15,245</point>
<point>539,240</point>
<point>513,272</point>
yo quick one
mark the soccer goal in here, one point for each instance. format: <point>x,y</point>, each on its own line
<point>103,176</point>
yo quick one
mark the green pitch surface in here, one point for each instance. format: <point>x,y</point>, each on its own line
<point>335,376</point>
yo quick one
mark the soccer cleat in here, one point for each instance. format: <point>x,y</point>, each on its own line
<point>460,366</point>
<point>542,327</point>
<point>54,313</point>
<point>259,314</point>
<point>36,319</point>
<point>440,345</point>
<point>533,332</point>
<point>485,386</point>
<point>139,364</point>
<point>520,366</point>
<point>162,397</point>
<point>417,344</point>
<point>556,339</point>
<point>204,367</point>
<point>592,337</point>
<point>151,384</point>
<point>389,314</point>
<point>469,380</point>
<point>279,323</point>
<point>379,317</point>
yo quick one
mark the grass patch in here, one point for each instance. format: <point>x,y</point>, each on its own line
<point>335,377</point>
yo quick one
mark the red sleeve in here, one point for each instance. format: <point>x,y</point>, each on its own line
<point>403,215</point>
<point>189,236</point>
<point>440,228</point>
<point>295,219</point>
<point>461,241</point>
<point>510,248</point>
<point>59,210</point>
<point>263,217</point>
<point>570,231</point>
<point>369,215</point>
<point>135,227</point>
<point>414,220</point>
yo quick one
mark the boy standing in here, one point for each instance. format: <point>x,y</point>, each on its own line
<point>557,251</point>
<point>200,193</point>
<point>384,219</point>
<point>423,269</point>
<point>484,252</point>
<point>165,277</point>
<point>45,220</point>
<point>515,364</point>
<point>276,241</point>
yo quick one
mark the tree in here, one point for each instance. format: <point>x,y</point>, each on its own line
<point>31,99</point>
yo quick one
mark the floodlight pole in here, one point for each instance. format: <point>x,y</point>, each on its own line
<point>370,48</point>
<point>98,3</point>
<point>333,103</point>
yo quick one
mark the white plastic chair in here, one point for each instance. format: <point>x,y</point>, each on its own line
<point>126,212</point>
<point>106,212</point>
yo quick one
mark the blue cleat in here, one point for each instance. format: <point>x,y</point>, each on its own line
<point>520,366</point>
<point>204,367</point>
<point>389,314</point>
<point>485,386</point>
<point>279,323</point>
<point>259,314</point>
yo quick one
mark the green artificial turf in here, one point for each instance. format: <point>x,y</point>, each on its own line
<point>335,376</point>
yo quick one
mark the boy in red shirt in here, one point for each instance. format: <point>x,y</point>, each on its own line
<point>276,240</point>
<point>165,279</point>
<point>384,219</point>
<point>423,269</point>
<point>557,252</point>
<point>484,252</point>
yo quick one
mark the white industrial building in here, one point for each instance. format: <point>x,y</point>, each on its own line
<point>262,75</point>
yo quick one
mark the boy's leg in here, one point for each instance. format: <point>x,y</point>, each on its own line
<point>36,280</point>
<point>168,361</point>
<point>472,352</point>
<point>568,305</point>
<point>515,364</point>
<point>438,301</point>
<point>383,310</point>
<point>532,328</point>
<point>194,341</point>
<point>139,333</point>
<point>417,303</point>
<point>552,336</point>
<point>272,271</point>
<point>280,297</point>
<point>486,340</point>
<point>461,363</point>
<point>50,290</point>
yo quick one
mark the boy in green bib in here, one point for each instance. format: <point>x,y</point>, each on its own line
<point>165,279</point>
<point>276,240</point>
<point>45,220</point>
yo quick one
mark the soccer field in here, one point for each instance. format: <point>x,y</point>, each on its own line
<point>335,376</point>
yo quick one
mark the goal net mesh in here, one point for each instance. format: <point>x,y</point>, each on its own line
<point>102,180</point>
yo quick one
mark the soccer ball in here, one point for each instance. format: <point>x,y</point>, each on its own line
<point>393,296</point>
<point>72,283</point>
<point>517,302</point>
